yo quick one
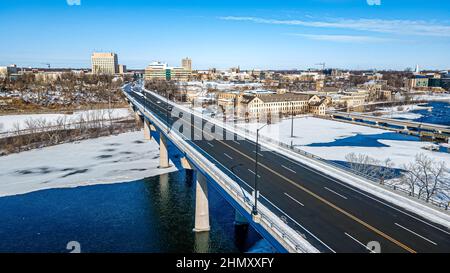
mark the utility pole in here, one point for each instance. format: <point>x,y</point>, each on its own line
<point>255,205</point>
<point>292,119</point>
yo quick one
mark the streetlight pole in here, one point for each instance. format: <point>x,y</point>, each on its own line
<point>292,119</point>
<point>167,111</point>
<point>255,206</point>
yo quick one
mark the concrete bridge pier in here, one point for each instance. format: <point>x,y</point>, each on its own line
<point>201,198</point>
<point>147,130</point>
<point>201,204</point>
<point>163,152</point>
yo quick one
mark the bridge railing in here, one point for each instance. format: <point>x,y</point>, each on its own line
<point>290,238</point>
<point>246,132</point>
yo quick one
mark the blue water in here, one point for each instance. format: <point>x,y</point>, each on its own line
<point>150,215</point>
<point>366,140</point>
<point>440,113</point>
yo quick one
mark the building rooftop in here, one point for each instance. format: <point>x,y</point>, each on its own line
<point>284,97</point>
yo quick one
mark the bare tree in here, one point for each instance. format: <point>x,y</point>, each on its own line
<point>426,177</point>
<point>364,164</point>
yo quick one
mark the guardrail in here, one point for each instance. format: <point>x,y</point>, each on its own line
<point>288,237</point>
<point>372,179</point>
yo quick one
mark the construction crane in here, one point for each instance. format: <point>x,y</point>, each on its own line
<point>47,64</point>
<point>322,64</point>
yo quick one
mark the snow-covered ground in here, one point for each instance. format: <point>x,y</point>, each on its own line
<point>9,122</point>
<point>433,97</point>
<point>404,111</point>
<point>111,159</point>
<point>309,130</point>
<point>339,130</point>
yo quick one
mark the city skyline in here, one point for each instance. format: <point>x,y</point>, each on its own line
<point>349,34</point>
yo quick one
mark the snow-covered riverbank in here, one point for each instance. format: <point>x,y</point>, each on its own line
<point>403,112</point>
<point>14,122</point>
<point>111,159</point>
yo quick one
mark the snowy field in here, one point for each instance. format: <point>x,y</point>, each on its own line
<point>9,122</point>
<point>111,159</point>
<point>309,130</point>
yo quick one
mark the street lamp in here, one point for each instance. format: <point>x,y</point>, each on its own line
<point>292,119</point>
<point>167,111</point>
<point>146,102</point>
<point>255,206</point>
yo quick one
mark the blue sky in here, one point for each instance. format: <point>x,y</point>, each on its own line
<point>253,34</point>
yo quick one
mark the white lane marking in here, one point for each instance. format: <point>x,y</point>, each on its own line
<point>284,213</point>
<point>228,156</point>
<point>330,190</point>
<point>289,169</point>
<point>298,224</point>
<point>276,207</point>
<point>273,205</point>
<point>361,244</point>
<point>362,193</point>
<point>210,144</point>
<point>418,235</point>
<point>253,173</point>
<point>293,199</point>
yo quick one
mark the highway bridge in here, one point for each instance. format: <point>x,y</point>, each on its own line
<point>298,203</point>
<point>433,131</point>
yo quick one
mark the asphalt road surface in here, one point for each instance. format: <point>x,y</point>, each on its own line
<point>332,215</point>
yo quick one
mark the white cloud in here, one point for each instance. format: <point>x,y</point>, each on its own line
<point>405,27</point>
<point>341,38</point>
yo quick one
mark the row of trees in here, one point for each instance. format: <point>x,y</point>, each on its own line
<point>66,89</point>
<point>167,88</point>
<point>424,178</point>
<point>42,132</point>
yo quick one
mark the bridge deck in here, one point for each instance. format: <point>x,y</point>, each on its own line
<point>333,216</point>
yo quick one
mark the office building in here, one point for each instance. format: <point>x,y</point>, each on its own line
<point>104,63</point>
<point>122,69</point>
<point>161,71</point>
<point>6,71</point>
<point>186,63</point>
<point>156,71</point>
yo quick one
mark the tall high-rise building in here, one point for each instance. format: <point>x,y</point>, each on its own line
<point>186,63</point>
<point>104,63</point>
